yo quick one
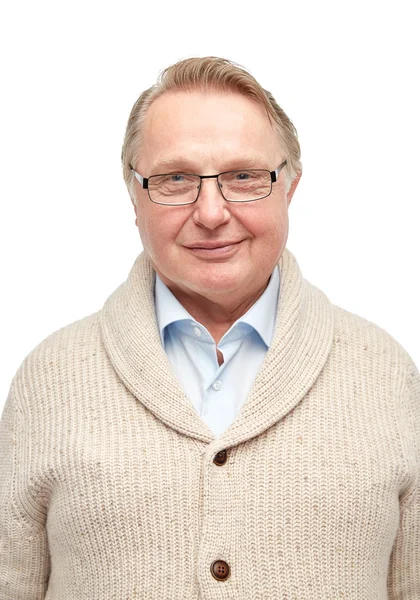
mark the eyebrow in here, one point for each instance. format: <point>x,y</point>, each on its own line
<point>187,166</point>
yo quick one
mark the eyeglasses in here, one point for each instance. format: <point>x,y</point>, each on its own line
<point>241,185</point>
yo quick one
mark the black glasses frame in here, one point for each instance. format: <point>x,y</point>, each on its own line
<point>144,181</point>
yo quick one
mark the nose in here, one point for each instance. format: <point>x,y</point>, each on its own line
<point>211,210</point>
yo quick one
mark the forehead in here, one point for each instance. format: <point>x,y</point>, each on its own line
<point>208,129</point>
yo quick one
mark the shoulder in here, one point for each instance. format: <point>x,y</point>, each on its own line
<point>365,340</point>
<point>60,356</point>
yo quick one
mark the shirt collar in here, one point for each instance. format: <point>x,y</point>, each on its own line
<point>261,316</point>
<point>168,308</point>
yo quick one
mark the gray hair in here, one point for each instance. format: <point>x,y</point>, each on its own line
<point>209,73</point>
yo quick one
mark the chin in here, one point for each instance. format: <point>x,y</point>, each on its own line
<point>217,284</point>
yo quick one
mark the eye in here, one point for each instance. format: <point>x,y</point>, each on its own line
<point>176,177</point>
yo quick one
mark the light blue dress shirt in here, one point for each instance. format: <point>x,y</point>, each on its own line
<point>216,392</point>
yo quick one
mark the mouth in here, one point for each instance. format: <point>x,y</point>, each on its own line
<point>214,249</point>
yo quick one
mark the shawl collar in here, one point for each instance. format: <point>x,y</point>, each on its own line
<point>300,347</point>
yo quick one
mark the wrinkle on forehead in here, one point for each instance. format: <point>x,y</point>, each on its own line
<point>211,127</point>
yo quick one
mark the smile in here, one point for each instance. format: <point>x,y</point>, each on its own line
<point>215,249</point>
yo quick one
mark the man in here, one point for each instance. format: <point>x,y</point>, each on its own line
<point>219,429</point>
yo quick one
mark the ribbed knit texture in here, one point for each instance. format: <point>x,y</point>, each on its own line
<point>108,489</point>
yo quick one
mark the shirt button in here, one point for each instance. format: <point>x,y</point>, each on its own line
<point>220,570</point>
<point>216,385</point>
<point>220,458</point>
<point>197,331</point>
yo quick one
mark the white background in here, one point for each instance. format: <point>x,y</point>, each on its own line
<point>345,72</point>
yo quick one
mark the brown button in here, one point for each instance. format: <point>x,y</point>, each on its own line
<point>220,458</point>
<point>220,570</point>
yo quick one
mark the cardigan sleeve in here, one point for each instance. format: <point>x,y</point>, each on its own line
<point>24,557</point>
<point>404,568</point>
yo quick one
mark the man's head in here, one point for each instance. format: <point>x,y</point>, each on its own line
<point>206,116</point>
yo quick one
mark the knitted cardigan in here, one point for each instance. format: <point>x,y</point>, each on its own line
<point>110,489</point>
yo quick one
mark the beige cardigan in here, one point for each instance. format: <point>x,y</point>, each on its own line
<point>109,487</point>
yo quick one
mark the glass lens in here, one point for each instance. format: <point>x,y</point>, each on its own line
<point>175,188</point>
<point>245,185</point>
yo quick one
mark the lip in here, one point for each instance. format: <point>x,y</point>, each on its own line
<point>214,249</point>
<point>212,245</point>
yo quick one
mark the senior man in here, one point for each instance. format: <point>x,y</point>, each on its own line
<point>219,429</point>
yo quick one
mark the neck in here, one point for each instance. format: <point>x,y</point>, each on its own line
<point>216,317</point>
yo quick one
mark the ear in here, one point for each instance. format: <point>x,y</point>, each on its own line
<point>293,187</point>
<point>133,202</point>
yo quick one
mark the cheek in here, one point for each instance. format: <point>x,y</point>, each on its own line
<point>158,228</point>
<point>146,224</point>
<point>267,226</point>
<point>271,234</point>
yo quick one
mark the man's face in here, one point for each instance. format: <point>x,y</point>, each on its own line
<point>207,134</point>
